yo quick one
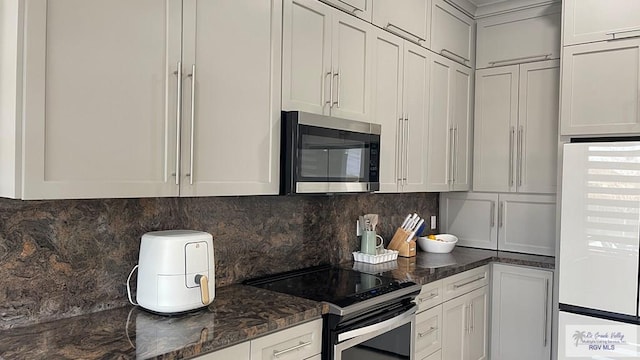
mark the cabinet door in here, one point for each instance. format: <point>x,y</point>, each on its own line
<point>299,342</point>
<point>352,54</point>
<point>428,337</point>
<point>454,33</point>
<point>236,352</point>
<point>306,56</point>
<point>600,83</point>
<point>216,116</point>
<point>472,217</point>
<point>441,127</point>
<point>537,140</point>
<point>527,223</point>
<point>520,313</point>
<point>359,8</point>
<point>416,100</point>
<point>478,338</point>
<point>502,38</point>
<point>409,19</point>
<point>496,115</point>
<point>387,104</point>
<point>461,115</point>
<point>455,327</point>
<point>100,98</point>
<point>596,20</point>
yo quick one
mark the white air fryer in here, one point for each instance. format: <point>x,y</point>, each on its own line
<point>175,271</point>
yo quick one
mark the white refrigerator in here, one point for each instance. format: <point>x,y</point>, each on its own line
<point>598,264</point>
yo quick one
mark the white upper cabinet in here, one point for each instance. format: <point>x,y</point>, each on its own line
<point>327,58</point>
<point>597,20</point>
<point>109,106</point>
<point>450,130</point>
<point>401,97</point>
<point>409,19</point>
<point>453,33</point>
<point>516,116</point>
<point>359,8</point>
<point>518,37</point>
<point>600,87</point>
<point>472,217</point>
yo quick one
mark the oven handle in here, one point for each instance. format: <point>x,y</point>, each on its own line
<point>391,323</point>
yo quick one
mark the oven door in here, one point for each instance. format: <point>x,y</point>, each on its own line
<point>387,336</point>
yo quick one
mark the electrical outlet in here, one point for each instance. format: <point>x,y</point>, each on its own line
<point>433,222</point>
<point>358,228</point>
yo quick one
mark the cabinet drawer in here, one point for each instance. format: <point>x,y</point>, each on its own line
<point>428,332</point>
<point>430,295</point>
<point>240,351</point>
<point>453,33</point>
<point>298,342</point>
<point>435,356</point>
<point>462,283</point>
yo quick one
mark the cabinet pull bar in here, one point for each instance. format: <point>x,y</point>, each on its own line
<point>546,310</point>
<point>520,138</point>
<point>456,286</point>
<point>614,34</point>
<point>511,136</point>
<point>324,89</point>
<point>454,162</point>
<point>501,214</point>
<point>531,57</point>
<point>492,221</point>
<point>193,120</point>
<point>431,330</point>
<point>431,296</point>
<point>178,119</point>
<point>400,150</point>
<point>296,347</point>
<point>453,56</point>
<point>353,8</point>
<point>337,102</point>
<point>396,30</point>
<point>467,322</point>
<point>406,150</point>
<point>472,319</point>
<point>450,162</point>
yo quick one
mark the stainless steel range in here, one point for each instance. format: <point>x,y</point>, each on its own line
<point>370,316</point>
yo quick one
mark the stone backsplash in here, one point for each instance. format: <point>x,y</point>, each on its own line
<point>70,257</point>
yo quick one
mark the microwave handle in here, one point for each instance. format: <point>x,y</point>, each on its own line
<point>387,324</point>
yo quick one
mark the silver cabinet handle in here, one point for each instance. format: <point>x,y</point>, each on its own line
<point>450,172</point>
<point>467,322</point>
<point>454,162</point>
<point>520,138</point>
<point>406,150</point>
<point>431,330</point>
<point>431,296</point>
<point>193,120</point>
<point>501,214</point>
<point>178,119</point>
<point>546,310</point>
<point>511,136</point>
<point>353,8</point>
<point>324,82</point>
<point>624,34</point>
<point>337,102</point>
<point>296,347</point>
<point>492,221</point>
<point>456,286</point>
<point>518,59</point>
<point>453,56</point>
<point>472,319</point>
<point>400,149</point>
<point>404,33</point>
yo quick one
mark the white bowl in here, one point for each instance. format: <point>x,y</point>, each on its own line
<point>444,243</point>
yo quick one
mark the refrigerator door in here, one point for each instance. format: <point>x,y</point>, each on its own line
<point>600,231</point>
<point>582,337</point>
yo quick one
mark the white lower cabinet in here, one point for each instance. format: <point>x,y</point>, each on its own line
<point>521,313</point>
<point>465,326</point>
<point>298,342</point>
<point>428,337</point>
<point>509,222</point>
<point>435,356</point>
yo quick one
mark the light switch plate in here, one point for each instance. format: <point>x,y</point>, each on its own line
<point>433,222</point>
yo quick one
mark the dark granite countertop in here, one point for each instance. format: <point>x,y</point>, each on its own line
<point>238,313</point>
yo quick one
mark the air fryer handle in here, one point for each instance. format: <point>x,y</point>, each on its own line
<point>204,288</point>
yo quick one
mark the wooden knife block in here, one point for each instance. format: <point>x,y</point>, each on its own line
<point>399,243</point>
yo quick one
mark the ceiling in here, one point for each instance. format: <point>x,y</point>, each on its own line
<point>485,2</point>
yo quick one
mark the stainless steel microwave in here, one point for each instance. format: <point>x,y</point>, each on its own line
<point>322,154</point>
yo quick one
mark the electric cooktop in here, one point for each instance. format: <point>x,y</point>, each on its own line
<point>345,291</point>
